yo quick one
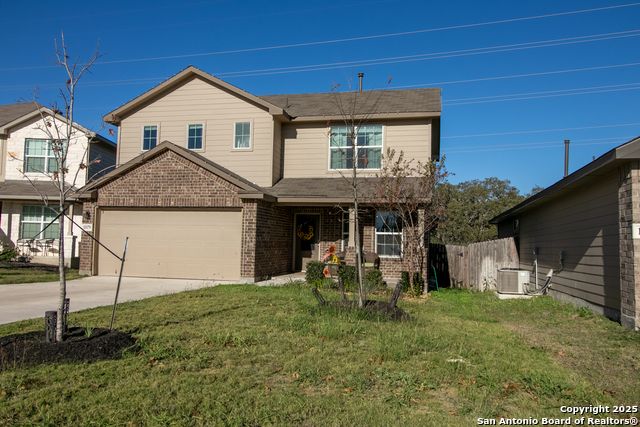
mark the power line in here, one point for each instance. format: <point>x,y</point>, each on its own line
<point>449,103</point>
<point>544,144</point>
<point>324,42</point>
<point>539,131</point>
<point>427,56</point>
<point>530,148</point>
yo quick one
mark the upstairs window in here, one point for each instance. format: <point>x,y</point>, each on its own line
<point>388,234</point>
<point>149,137</point>
<point>34,219</point>
<point>194,138</point>
<point>368,148</point>
<point>242,135</point>
<point>39,156</point>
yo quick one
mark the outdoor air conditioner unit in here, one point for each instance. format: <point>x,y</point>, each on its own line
<point>513,281</point>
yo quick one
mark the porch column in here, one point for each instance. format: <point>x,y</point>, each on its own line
<point>352,227</point>
<point>629,214</point>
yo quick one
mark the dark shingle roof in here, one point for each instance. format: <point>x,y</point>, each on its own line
<point>15,189</point>
<point>381,102</point>
<point>11,112</point>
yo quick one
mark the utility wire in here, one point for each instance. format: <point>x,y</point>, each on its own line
<point>324,42</point>
<point>539,131</point>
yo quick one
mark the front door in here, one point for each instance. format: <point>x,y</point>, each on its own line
<point>307,236</point>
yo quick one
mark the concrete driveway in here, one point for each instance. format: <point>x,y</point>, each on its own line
<point>31,300</point>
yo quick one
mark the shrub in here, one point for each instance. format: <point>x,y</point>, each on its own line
<point>418,283</point>
<point>8,254</point>
<point>349,276</point>
<point>373,280</point>
<point>404,279</point>
<point>314,272</point>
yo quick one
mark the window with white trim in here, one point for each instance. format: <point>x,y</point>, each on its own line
<point>368,147</point>
<point>388,234</point>
<point>149,137</point>
<point>39,155</point>
<point>195,137</point>
<point>345,231</point>
<point>242,135</point>
<point>34,219</point>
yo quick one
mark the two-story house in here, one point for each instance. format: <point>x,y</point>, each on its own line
<point>216,183</point>
<point>25,180</point>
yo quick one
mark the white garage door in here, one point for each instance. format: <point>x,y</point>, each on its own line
<point>172,244</point>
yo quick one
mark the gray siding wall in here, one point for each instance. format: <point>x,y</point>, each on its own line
<point>584,225</point>
<point>277,151</point>
<point>107,160</point>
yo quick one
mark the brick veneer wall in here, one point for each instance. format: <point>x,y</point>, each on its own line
<point>390,267</point>
<point>274,240</point>
<point>629,211</point>
<point>167,180</point>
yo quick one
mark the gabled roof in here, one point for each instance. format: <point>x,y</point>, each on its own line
<point>12,115</point>
<point>598,168</point>
<point>333,104</point>
<point>12,112</point>
<point>247,187</point>
<point>307,106</point>
<point>116,115</point>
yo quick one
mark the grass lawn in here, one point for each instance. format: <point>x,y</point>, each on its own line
<point>254,356</point>
<point>13,276</point>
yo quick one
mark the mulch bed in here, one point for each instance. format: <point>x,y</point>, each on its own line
<point>24,350</point>
<point>29,265</point>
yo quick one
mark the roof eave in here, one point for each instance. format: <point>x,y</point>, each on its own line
<point>598,167</point>
<point>377,116</point>
<point>115,116</point>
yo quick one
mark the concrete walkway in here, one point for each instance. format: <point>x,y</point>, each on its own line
<point>31,300</point>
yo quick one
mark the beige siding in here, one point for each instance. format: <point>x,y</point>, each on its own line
<point>306,145</point>
<point>200,102</point>
<point>411,136</point>
<point>584,225</point>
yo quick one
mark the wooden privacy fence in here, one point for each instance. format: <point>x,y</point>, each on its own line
<point>475,266</point>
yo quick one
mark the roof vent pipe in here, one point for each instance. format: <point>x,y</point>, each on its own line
<point>360,76</point>
<point>566,157</point>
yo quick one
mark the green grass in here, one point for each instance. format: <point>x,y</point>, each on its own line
<point>12,276</point>
<point>252,356</point>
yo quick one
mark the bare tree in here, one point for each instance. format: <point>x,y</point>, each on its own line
<point>62,133</point>
<point>356,108</point>
<point>406,189</point>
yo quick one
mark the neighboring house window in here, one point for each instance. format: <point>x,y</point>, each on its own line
<point>388,234</point>
<point>35,219</point>
<point>39,156</point>
<point>242,135</point>
<point>368,147</point>
<point>149,137</point>
<point>194,140</point>
<point>345,230</point>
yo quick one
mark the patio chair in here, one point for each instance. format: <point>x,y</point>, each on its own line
<point>371,262</point>
<point>24,245</point>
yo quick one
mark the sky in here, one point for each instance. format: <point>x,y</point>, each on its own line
<point>518,78</point>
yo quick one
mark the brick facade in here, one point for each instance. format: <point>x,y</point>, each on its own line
<point>629,211</point>
<point>169,180</point>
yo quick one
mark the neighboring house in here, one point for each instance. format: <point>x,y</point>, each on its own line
<point>588,226</point>
<point>26,148</point>
<point>216,183</point>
